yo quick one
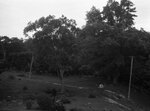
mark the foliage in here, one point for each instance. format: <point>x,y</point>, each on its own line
<point>5,90</point>
<point>65,101</point>
<point>69,93</point>
<point>93,16</point>
<point>25,88</point>
<point>119,14</point>
<point>57,35</point>
<point>60,107</point>
<point>76,109</point>
<point>11,52</point>
<point>48,91</point>
<point>52,92</point>
<point>109,39</point>
<point>111,49</point>
<point>11,77</point>
<point>45,102</point>
<point>103,46</point>
<point>91,96</point>
<point>28,96</point>
<point>29,104</point>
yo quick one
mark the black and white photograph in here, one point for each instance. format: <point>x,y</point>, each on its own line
<point>74,55</point>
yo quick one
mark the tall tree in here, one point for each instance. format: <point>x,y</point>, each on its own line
<point>31,50</point>
<point>53,39</point>
<point>119,14</point>
<point>109,38</point>
<point>4,46</point>
<point>93,16</point>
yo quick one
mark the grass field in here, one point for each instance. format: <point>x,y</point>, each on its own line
<point>77,90</point>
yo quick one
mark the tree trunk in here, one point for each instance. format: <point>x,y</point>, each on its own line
<point>4,55</point>
<point>115,78</point>
<point>116,75</point>
<point>30,73</point>
<point>61,79</point>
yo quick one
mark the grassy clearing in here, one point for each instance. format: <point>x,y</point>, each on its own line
<point>19,87</point>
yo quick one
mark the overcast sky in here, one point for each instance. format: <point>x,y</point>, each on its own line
<point>15,14</point>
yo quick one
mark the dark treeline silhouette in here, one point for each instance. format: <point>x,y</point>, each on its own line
<point>103,47</point>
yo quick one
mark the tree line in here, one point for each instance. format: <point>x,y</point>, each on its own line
<point>102,47</point>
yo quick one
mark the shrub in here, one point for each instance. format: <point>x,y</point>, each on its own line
<point>21,75</point>
<point>45,102</point>
<point>54,92</point>
<point>28,96</point>
<point>59,107</point>
<point>5,90</point>
<point>25,88</point>
<point>91,96</point>
<point>76,109</point>
<point>28,104</point>
<point>48,91</point>
<point>65,101</point>
<point>9,98</point>
<point>11,77</point>
<point>69,93</point>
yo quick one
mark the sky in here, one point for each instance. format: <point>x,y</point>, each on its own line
<point>15,14</point>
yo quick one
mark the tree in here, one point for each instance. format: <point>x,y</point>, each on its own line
<point>4,45</point>
<point>109,38</point>
<point>53,39</point>
<point>101,50</point>
<point>10,49</point>
<point>30,49</point>
<point>93,16</point>
<point>119,14</point>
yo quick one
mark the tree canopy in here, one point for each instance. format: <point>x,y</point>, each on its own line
<point>103,47</point>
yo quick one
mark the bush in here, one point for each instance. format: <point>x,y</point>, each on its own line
<point>28,104</point>
<point>45,102</point>
<point>25,88</point>
<point>54,92</point>
<point>48,91</point>
<point>21,75</point>
<point>65,101</point>
<point>59,107</point>
<point>28,96</point>
<point>91,96</point>
<point>76,109</point>
<point>11,77</point>
<point>69,93</point>
<point>5,90</point>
